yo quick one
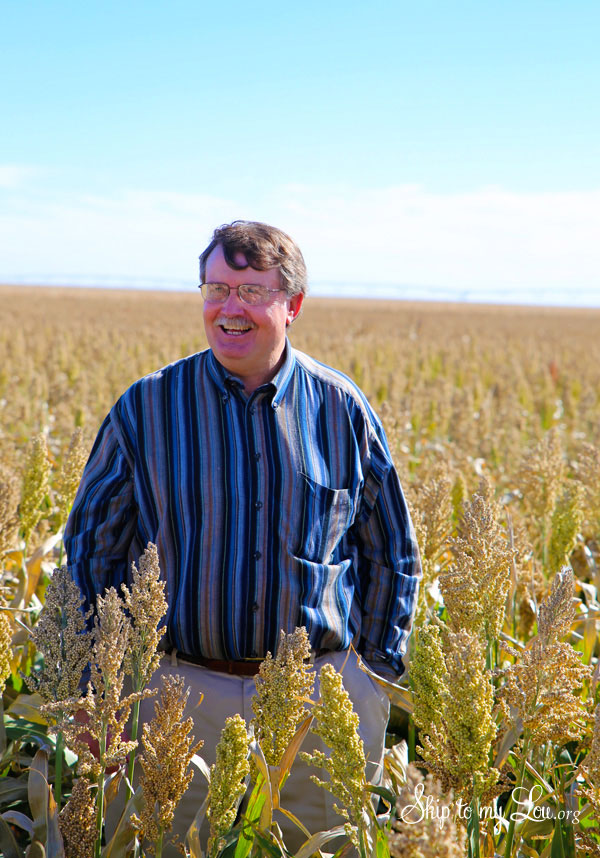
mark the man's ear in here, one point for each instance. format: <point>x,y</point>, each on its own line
<point>295,304</point>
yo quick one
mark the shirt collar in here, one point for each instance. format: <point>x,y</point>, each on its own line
<point>224,379</point>
<point>284,374</point>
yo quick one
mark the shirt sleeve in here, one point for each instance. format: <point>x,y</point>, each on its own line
<point>389,565</point>
<point>103,519</point>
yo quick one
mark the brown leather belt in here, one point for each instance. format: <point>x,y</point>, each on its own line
<point>241,668</point>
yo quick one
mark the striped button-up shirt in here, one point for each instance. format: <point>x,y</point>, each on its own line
<point>272,510</point>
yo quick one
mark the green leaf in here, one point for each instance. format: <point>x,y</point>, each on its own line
<point>289,755</point>
<point>35,565</point>
<point>111,786</point>
<point>20,729</point>
<point>384,792</point>
<point>546,787</point>
<point>563,840</point>
<point>54,842</point>
<point>345,851</point>
<point>125,832</point>
<point>19,819</point>
<point>590,636</point>
<point>192,837</point>
<point>13,789</point>
<point>382,847</point>
<point>27,706</point>
<point>253,813</point>
<point>558,841</point>
<point>267,784</point>
<point>37,793</point>
<point>267,847</point>
<point>2,730</point>
<point>398,694</point>
<point>8,844</point>
<point>529,851</point>
<point>200,763</point>
<point>293,818</point>
<point>70,757</point>
<point>18,600</point>
<point>508,740</point>
<point>473,830</point>
<point>314,843</point>
<point>229,843</point>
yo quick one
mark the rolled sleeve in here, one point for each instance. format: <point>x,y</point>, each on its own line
<point>390,567</point>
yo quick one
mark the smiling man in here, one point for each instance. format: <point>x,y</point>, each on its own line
<point>246,329</point>
<point>265,479</point>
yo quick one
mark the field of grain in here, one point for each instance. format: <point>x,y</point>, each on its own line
<point>460,374</point>
<point>493,419</point>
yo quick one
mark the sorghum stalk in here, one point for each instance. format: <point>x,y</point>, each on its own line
<point>100,795</point>
<point>77,821</point>
<point>34,488</point>
<point>476,584</point>
<point>59,635</point>
<point>9,501</point>
<point>107,712</point>
<point>165,762</point>
<point>473,829</point>
<point>58,766</point>
<point>5,646</point>
<point>135,725</point>
<point>147,606</point>
<point>68,480</point>
<point>336,723</point>
<point>2,728</point>
<point>539,689</point>
<point>509,804</point>
<point>412,741</point>
<point>283,684</point>
<point>227,780</point>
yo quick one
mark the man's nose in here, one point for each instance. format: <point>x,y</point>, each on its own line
<point>233,301</point>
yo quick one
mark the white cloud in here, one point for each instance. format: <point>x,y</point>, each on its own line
<point>133,234</point>
<point>13,175</point>
<point>490,239</point>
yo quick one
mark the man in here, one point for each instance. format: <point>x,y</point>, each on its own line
<point>265,480</point>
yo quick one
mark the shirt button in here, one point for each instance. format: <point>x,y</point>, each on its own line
<point>253,654</point>
<point>258,505</point>
<point>255,607</point>
<point>253,411</point>
<point>257,456</point>
<point>257,555</point>
<point>225,398</point>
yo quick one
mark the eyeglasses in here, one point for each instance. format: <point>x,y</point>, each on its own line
<point>250,293</point>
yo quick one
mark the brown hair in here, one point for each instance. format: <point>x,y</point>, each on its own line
<point>264,247</point>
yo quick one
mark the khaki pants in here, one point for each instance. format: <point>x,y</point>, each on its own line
<point>224,695</point>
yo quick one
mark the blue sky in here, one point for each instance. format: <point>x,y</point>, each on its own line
<point>440,146</point>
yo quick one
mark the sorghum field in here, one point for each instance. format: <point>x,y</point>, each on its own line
<point>493,418</point>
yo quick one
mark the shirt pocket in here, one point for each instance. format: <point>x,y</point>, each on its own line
<point>321,517</point>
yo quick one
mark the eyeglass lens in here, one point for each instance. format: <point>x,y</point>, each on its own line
<point>251,293</point>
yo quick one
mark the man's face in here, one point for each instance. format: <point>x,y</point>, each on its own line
<point>247,340</point>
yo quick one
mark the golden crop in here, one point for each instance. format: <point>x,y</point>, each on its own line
<point>493,418</point>
<point>484,381</point>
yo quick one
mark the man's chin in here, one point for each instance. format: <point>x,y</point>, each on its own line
<point>235,357</point>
